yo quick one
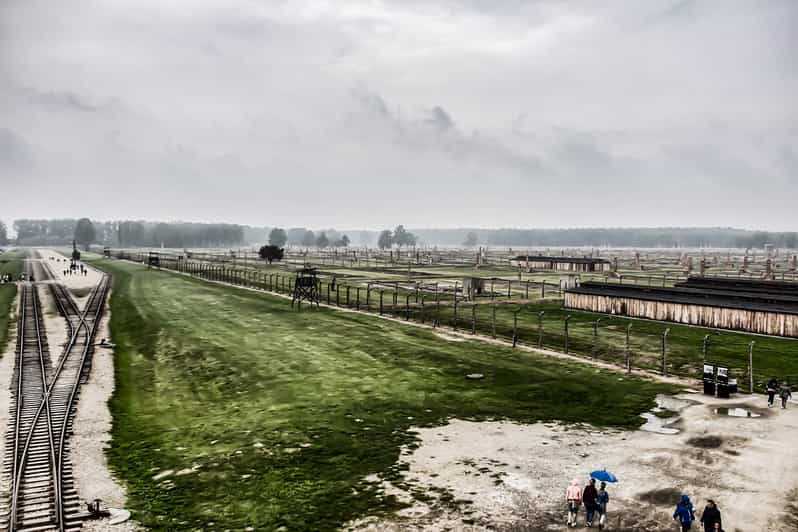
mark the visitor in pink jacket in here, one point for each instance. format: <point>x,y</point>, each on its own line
<point>573,497</point>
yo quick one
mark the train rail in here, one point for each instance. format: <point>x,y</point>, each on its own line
<point>45,394</point>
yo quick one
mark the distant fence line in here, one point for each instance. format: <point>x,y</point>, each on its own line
<point>442,309</point>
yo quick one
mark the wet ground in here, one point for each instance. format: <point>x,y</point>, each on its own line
<point>506,476</point>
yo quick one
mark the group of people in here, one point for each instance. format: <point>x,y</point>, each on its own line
<point>595,502</point>
<point>784,391</point>
<point>710,517</point>
<point>6,278</point>
<point>76,269</point>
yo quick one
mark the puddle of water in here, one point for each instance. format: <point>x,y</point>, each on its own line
<point>736,412</point>
<point>669,402</point>
<point>658,425</point>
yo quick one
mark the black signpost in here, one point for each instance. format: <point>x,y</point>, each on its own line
<point>723,382</point>
<point>709,379</point>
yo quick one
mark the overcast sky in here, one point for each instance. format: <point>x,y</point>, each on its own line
<point>430,113</point>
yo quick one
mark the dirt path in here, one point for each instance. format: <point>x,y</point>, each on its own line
<point>508,476</point>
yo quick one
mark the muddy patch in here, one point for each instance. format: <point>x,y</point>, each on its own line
<point>706,442</point>
<point>661,496</point>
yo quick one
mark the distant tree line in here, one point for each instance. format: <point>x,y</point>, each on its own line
<point>185,234</point>
<point>300,236</point>
<point>3,234</point>
<point>127,233</point>
<point>666,237</point>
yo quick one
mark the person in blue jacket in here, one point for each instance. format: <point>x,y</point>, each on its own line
<point>684,513</point>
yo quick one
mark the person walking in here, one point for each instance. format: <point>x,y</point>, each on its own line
<point>684,513</point>
<point>602,499</point>
<point>772,387</point>
<point>785,393</point>
<point>589,495</point>
<point>573,498</point>
<point>710,516</point>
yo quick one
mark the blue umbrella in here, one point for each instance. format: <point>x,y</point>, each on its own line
<point>603,475</point>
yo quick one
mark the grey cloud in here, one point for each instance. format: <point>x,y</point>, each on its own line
<point>482,104</point>
<point>15,152</point>
<point>437,132</point>
<point>440,119</point>
<point>57,100</point>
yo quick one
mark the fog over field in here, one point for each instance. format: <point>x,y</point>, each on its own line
<point>431,114</point>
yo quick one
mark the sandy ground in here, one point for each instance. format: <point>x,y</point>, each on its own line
<point>507,476</point>
<point>93,479</point>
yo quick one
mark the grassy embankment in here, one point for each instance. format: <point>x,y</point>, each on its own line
<point>10,262</point>
<point>772,355</point>
<point>275,417</point>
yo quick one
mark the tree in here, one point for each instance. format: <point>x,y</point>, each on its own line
<point>84,232</point>
<point>322,241</point>
<point>277,237</point>
<point>401,237</point>
<point>308,239</point>
<point>341,242</point>
<point>385,240</point>
<point>271,253</point>
<point>3,234</point>
<point>471,239</point>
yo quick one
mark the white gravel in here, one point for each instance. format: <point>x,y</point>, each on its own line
<point>92,426</point>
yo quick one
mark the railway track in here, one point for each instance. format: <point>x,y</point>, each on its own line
<point>37,464</point>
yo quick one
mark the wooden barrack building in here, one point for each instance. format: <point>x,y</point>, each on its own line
<point>570,264</point>
<point>722,304</point>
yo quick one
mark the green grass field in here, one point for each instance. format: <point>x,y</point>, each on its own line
<point>273,417</point>
<point>10,262</point>
<point>772,355</point>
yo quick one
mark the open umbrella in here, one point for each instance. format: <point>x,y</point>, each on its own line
<point>603,475</point>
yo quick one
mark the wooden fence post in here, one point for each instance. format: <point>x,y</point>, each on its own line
<point>567,319</point>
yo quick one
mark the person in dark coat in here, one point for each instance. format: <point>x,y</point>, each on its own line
<point>602,499</point>
<point>684,513</point>
<point>785,393</point>
<point>710,516</point>
<point>589,495</point>
<point>772,387</point>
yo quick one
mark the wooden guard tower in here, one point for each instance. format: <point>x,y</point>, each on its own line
<point>153,260</point>
<point>306,287</point>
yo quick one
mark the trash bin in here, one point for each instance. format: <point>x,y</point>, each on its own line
<point>709,379</point>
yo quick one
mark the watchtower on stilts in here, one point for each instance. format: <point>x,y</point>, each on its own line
<point>153,260</point>
<point>306,287</point>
